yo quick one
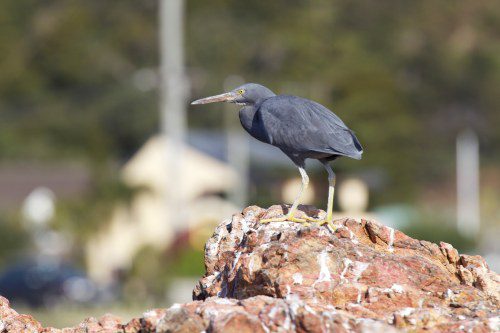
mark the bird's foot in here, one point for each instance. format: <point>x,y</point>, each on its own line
<point>329,223</point>
<point>287,218</point>
<point>312,219</point>
<point>328,220</point>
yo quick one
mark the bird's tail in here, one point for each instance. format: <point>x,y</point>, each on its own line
<point>357,145</point>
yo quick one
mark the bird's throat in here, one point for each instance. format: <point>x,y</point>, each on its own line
<point>250,121</point>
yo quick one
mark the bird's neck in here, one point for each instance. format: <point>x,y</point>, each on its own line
<point>247,113</point>
<point>250,120</point>
<point>263,97</point>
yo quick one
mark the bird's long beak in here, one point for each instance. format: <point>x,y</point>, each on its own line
<point>226,97</point>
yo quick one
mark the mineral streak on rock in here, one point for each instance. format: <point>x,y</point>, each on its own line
<point>286,277</point>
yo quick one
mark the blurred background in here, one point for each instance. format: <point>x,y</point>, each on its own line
<point>110,183</point>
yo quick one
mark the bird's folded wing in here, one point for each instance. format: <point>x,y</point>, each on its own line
<point>297,124</point>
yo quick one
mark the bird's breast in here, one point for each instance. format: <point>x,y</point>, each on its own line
<point>252,123</point>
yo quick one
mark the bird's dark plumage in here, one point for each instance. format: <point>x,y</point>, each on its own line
<point>300,127</point>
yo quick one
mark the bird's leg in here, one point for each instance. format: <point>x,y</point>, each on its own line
<point>291,213</point>
<point>331,191</point>
<point>305,183</point>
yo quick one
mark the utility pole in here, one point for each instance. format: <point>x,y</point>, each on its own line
<point>238,148</point>
<point>173,94</point>
<point>468,214</point>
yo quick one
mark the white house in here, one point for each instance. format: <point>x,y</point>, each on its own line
<point>146,220</point>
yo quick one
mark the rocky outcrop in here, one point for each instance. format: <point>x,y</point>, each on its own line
<point>362,267</point>
<point>11,321</point>
<point>360,276</point>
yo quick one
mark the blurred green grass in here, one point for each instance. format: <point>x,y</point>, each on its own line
<point>68,315</point>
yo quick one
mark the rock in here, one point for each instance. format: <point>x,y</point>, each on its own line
<point>364,268</point>
<point>11,321</point>
<point>287,277</point>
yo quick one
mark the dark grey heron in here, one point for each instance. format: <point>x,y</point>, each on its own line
<point>301,128</point>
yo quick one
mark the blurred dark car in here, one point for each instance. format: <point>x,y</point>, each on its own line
<point>45,282</point>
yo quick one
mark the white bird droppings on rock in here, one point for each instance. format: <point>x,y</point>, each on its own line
<point>251,264</point>
<point>152,313</point>
<point>347,262</point>
<point>176,306</point>
<point>360,294</point>
<point>272,313</point>
<point>297,278</point>
<point>324,273</point>
<point>352,236</point>
<point>494,323</point>
<point>406,312</point>
<point>224,301</point>
<point>390,245</point>
<point>309,309</point>
<point>358,269</point>
<point>397,288</point>
<point>235,262</point>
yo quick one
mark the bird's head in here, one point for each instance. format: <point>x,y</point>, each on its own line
<point>247,94</point>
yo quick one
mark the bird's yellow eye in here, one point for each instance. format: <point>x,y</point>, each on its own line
<point>241,91</point>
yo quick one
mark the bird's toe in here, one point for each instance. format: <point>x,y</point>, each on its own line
<point>286,218</point>
<point>328,223</point>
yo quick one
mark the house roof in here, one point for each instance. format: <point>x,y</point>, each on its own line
<point>18,179</point>
<point>214,143</point>
<point>198,173</point>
